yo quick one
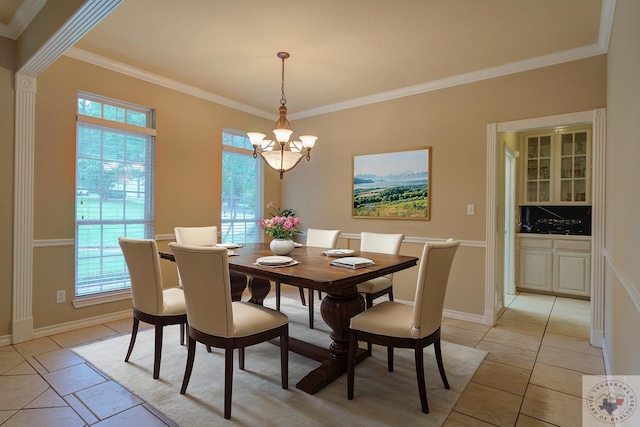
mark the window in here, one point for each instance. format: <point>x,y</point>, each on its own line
<point>114,189</point>
<point>241,189</point>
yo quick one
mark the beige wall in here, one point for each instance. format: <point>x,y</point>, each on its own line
<point>453,121</point>
<point>7,96</point>
<point>188,159</point>
<point>622,281</point>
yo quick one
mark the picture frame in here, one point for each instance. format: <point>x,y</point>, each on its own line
<point>392,185</point>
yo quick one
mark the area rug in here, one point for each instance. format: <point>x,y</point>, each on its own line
<point>381,398</point>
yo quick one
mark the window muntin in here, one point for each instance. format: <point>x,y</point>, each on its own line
<point>241,189</point>
<point>114,189</point>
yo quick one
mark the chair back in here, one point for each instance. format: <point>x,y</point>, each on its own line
<point>322,238</point>
<point>433,275</point>
<point>207,288</point>
<point>143,263</point>
<point>381,243</point>
<point>197,236</point>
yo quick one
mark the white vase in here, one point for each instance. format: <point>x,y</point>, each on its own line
<point>281,246</point>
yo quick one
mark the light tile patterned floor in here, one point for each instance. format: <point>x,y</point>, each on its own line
<point>538,352</point>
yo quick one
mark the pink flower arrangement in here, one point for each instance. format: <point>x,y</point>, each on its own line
<point>282,225</point>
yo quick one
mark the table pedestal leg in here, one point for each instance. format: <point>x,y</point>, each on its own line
<point>238,284</point>
<point>259,290</point>
<point>336,310</point>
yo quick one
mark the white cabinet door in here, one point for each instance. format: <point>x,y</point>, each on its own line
<point>535,269</point>
<point>572,271</point>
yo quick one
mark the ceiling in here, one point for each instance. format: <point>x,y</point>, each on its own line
<point>343,53</point>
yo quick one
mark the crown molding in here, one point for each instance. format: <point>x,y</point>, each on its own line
<point>22,18</point>
<point>471,77</point>
<point>122,68</point>
<point>600,48</point>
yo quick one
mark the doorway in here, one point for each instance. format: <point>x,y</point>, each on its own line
<point>494,288</point>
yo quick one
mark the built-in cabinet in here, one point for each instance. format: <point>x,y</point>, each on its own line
<point>558,264</point>
<point>557,167</point>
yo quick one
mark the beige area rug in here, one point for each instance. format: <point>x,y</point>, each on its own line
<point>381,398</point>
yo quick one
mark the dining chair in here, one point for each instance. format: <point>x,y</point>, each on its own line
<point>151,302</point>
<point>217,321</point>
<point>383,285</point>
<point>320,239</point>
<point>197,236</point>
<point>394,324</point>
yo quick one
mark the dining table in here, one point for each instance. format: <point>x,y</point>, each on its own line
<point>313,270</point>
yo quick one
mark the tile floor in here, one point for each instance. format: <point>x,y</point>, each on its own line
<point>538,352</point>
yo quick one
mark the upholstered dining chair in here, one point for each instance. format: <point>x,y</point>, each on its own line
<point>375,288</point>
<point>318,238</point>
<point>197,236</point>
<point>216,321</point>
<point>395,324</point>
<point>151,303</point>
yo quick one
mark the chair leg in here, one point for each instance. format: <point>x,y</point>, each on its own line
<point>369,303</point>
<point>351,363</point>
<point>158,349</point>
<point>241,358</point>
<point>422,388</point>
<point>183,328</point>
<point>310,308</point>
<point>278,296</point>
<point>438,351</point>
<point>228,380</point>
<point>134,334</point>
<point>391,294</point>
<point>191,354</point>
<point>390,358</point>
<point>284,358</point>
<point>302,300</point>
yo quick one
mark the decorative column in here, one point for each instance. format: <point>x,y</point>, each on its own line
<point>598,155</point>
<point>22,318</point>
<point>490,227</point>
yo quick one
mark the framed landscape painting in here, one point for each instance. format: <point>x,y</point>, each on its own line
<point>394,185</point>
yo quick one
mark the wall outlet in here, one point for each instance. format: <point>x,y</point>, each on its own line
<point>61,296</point>
<point>471,209</point>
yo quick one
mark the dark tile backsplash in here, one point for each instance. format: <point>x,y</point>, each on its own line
<point>556,220</point>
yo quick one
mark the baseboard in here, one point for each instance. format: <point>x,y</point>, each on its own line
<point>5,340</point>
<point>79,324</point>
<point>467,317</point>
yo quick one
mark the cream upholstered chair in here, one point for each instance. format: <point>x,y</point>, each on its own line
<point>197,236</point>
<point>151,303</point>
<point>382,243</point>
<point>379,286</point>
<point>394,324</point>
<point>320,239</point>
<point>216,321</point>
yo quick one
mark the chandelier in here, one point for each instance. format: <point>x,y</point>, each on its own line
<point>281,154</point>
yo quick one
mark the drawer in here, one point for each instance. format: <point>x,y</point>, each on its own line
<point>536,243</point>
<point>573,245</point>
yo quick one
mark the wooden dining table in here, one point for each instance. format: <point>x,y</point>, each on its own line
<point>314,271</point>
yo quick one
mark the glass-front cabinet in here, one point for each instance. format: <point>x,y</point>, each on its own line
<point>538,175</point>
<point>574,167</point>
<point>557,167</point>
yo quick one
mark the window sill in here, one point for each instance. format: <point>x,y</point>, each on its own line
<point>97,299</point>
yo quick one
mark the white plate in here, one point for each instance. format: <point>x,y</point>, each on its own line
<point>274,260</point>
<point>228,245</point>
<point>339,252</point>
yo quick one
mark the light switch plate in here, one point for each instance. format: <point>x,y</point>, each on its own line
<point>471,209</point>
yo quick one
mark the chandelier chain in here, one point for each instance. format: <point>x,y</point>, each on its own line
<point>283,99</point>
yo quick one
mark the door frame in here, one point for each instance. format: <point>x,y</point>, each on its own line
<point>597,118</point>
<point>509,263</point>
